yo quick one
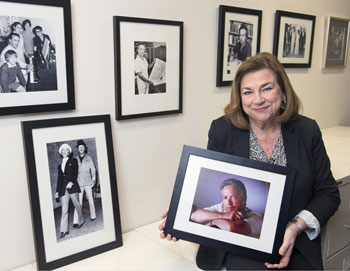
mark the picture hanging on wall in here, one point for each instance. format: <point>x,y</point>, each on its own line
<point>238,39</point>
<point>36,56</point>
<point>293,39</point>
<point>335,42</point>
<point>148,67</point>
<point>203,182</point>
<point>72,187</point>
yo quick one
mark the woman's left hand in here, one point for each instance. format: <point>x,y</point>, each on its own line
<point>69,185</point>
<point>286,249</point>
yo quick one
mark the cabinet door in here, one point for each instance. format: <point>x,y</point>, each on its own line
<point>339,224</point>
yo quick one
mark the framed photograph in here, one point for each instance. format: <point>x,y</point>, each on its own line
<point>148,67</point>
<point>73,189</point>
<point>36,56</point>
<point>238,39</point>
<point>293,39</point>
<point>336,42</point>
<point>253,199</point>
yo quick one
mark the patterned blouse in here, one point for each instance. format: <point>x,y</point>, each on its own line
<point>278,155</point>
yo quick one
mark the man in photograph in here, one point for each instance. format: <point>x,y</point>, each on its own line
<point>243,49</point>
<point>231,214</point>
<point>141,70</point>
<point>86,179</point>
<point>13,43</point>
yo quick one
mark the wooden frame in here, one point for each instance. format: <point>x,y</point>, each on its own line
<point>156,72</point>
<point>50,87</point>
<point>232,20</point>
<point>293,39</point>
<point>42,141</point>
<point>336,42</point>
<point>197,186</point>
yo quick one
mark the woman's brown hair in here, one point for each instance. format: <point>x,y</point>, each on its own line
<point>290,108</point>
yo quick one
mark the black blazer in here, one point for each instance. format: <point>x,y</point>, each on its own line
<point>315,189</point>
<point>70,175</point>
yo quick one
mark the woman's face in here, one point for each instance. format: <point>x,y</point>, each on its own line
<point>18,29</point>
<point>65,152</point>
<point>261,96</point>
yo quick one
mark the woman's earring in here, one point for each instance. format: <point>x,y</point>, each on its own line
<point>284,102</point>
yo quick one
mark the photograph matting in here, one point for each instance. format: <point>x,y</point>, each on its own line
<point>279,179</point>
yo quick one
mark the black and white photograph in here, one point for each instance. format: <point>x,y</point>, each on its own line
<point>231,203</point>
<point>72,188</point>
<point>293,39</point>
<point>27,55</point>
<point>336,42</point>
<point>36,62</point>
<point>239,39</point>
<point>76,192</point>
<point>148,67</point>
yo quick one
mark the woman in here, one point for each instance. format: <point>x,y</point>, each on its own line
<point>261,122</point>
<point>68,187</point>
<point>16,27</point>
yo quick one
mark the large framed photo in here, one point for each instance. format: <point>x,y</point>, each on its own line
<point>238,39</point>
<point>36,56</point>
<point>251,197</point>
<point>293,39</point>
<point>148,67</point>
<point>72,187</point>
<point>336,42</point>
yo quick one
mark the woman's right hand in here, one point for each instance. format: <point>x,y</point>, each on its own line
<point>57,195</point>
<point>162,226</point>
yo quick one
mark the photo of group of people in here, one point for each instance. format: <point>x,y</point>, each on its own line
<point>294,40</point>
<point>229,202</point>
<point>150,67</point>
<point>27,55</point>
<point>76,192</point>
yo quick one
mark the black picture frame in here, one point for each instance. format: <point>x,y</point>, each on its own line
<point>51,86</point>
<point>162,42</point>
<point>336,42</point>
<point>229,57</point>
<point>293,39</point>
<point>197,184</point>
<point>42,139</point>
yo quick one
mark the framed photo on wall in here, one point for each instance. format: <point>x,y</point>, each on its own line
<point>36,56</point>
<point>72,187</point>
<point>238,39</point>
<point>262,194</point>
<point>293,39</point>
<point>148,67</point>
<point>336,42</point>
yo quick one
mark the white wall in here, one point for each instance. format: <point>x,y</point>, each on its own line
<point>147,151</point>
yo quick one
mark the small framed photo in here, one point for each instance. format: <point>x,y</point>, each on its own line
<point>336,42</point>
<point>36,56</point>
<point>73,189</point>
<point>148,67</point>
<point>238,39</point>
<point>251,197</point>
<point>293,39</point>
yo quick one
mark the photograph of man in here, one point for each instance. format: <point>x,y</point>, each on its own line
<point>242,49</point>
<point>141,70</point>
<point>13,43</point>
<point>231,214</point>
<point>86,179</point>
